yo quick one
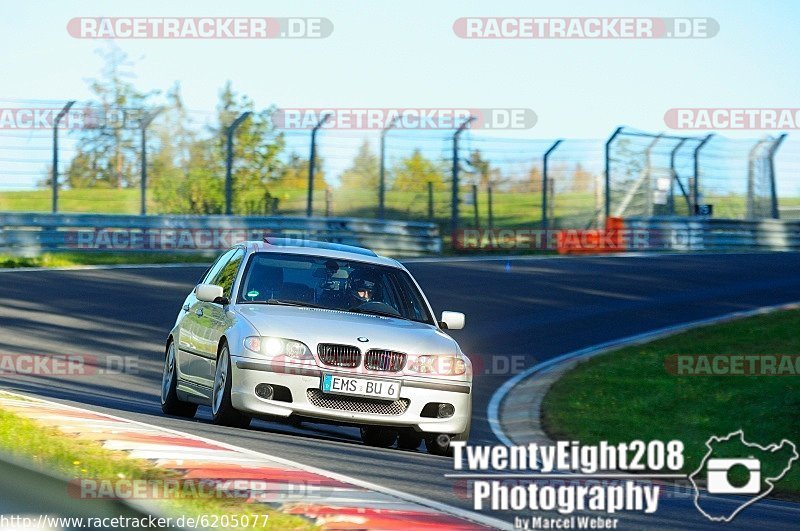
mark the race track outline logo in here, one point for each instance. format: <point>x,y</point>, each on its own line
<point>718,468</point>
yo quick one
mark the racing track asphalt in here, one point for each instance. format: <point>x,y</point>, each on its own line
<point>519,309</point>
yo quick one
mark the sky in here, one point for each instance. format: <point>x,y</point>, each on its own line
<point>406,54</point>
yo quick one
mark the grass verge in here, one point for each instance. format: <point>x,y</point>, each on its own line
<point>628,394</point>
<point>101,258</point>
<point>78,458</point>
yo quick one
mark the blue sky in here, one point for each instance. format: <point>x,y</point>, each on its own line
<point>405,54</point>
<point>385,53</point>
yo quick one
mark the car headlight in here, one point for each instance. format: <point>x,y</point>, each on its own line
<point>440,365</point>
<point>277,346</point>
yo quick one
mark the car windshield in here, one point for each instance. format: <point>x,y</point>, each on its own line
<point>335,284</point>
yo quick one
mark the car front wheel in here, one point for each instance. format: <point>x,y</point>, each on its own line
<point>169,383</point>
<point>222,411</point>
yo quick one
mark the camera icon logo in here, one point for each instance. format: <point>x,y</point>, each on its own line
<point>719,476</point>
<point>747,477</point>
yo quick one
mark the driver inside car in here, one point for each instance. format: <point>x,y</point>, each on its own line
<point>363,291</point>
<point>362,288</point>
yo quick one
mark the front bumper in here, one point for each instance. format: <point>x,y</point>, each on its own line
<point>248,373</point>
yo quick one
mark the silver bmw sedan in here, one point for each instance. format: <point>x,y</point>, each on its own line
<point>306,330</point>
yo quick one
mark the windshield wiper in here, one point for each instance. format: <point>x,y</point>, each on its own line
<point>378,312</point>
<point>281,302</point>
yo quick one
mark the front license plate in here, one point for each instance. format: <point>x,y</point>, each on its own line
<point>343,385</point>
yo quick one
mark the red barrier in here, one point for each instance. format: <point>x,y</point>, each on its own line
<point>611,239</point>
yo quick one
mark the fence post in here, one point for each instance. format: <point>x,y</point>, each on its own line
<point>382,180</point>
<point>649,174</point>
<point>772,150</point>
<point>312,161</point>
<point>751,178</point>
<point>454,197</point>
<point>674,176</point>
<point>430,200</point>
<point>60,115</point>
<point>598,203</point>
<point>696,184</point>
<point>491,208</point>
<point>146,121</point>
<point>545,184</point>
<point>475,206</point>
<point>328,202</point>
<point>616,132</point>
<point>229,162</point>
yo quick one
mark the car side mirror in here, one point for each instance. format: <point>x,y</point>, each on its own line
<point>452,320</point>
<point>210,293</point>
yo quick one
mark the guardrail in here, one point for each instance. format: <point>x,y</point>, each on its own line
<point>30,233</point>
<point>709,234</point>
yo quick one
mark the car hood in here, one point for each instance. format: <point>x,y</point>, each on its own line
<point>313,326</point>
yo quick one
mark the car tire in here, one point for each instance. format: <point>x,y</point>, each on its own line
<point>222,411</point>
<point>378,436</point>
<point>409,439</point>
<point>170,404</point>
<point>440,444</point>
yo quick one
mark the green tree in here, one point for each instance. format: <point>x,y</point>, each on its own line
<point>256,152</point>
<point>413,173</point>
<point>107,156</point>
<point>170,163</point>
<point>364,173</point>
<point>535,180</point>
<point>582,180</point>
<point>293,175</point>
<point>482,169</point>
<point>189,170</point>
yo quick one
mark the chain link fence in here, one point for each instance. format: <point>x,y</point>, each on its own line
<point>660,174</point>
<point>176,161</point>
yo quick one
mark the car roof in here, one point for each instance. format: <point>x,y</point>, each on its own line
<point>318,248</point>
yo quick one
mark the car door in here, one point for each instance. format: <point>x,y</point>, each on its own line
<point>193,333</point>
<point>215,318</point>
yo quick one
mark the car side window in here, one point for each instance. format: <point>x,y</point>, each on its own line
<point>227,273</point>
<point>213,271</point>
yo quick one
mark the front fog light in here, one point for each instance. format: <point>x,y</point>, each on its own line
<point>446,410</point>
<point>265,391</point>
